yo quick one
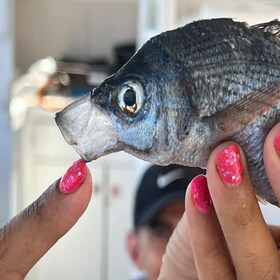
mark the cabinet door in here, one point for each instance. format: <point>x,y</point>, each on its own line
<point>77,255</point>
<point>122,184</point>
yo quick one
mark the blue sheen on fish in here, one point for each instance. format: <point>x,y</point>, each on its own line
<point>184,92</point>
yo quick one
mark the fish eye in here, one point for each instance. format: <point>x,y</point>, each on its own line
<point>130,98</point>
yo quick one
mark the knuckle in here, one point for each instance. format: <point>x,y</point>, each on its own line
<point>273,270</point>
<point>218,262</point>
<point>275,276</point>
<point>245,217</point>
<point>270,272</point>
<point>212,251</point>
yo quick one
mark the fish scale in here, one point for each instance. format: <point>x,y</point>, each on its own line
<point>236,80</point>
<point>200,38</point>
<point>194,87</point>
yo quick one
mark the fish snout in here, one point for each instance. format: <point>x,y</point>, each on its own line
<point>88,129</point>
<point>72,120</point>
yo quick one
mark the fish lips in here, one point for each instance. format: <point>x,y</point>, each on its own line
<point>88,129</point>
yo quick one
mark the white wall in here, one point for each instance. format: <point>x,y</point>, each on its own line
<point>6,70</point>
<point>77,28</point>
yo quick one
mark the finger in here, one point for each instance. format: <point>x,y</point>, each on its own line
<point>251,246</point>
<point>177,262</point>
<point>210,252</point>
<point>271,157</point>
<point>28,236</point>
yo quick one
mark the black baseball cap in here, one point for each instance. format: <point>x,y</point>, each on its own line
<point>160,186</point>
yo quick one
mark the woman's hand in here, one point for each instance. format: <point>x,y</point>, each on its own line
<point>29,235</point>
<point>223,227</point>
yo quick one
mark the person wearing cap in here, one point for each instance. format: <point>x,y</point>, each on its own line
<point>159,205</point>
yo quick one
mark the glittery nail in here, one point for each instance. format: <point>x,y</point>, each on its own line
<point>277,143</point>
<point>229,165</point>
<point>200,193</point>
<point>73,177</point>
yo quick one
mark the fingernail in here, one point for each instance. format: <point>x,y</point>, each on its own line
<point>200,193</point>
<point>73,177</point>
<point>277,143</point>
<point>229,165</point>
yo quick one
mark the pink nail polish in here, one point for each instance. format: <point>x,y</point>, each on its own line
<point>277,143</point>
<point>229,165</point>
<point>73,177</point>
<point>200,193</point>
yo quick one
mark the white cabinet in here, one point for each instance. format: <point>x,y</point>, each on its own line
<point>3,18</point>
<point>156,16</point>
<point>121,192</point>
<point>94,248</point>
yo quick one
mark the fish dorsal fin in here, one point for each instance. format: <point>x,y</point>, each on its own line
<point>271,30</point>
<point>236,116</point>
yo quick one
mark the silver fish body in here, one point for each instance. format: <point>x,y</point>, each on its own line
<point>183,93</point>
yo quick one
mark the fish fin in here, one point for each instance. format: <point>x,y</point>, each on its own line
<point>271,30</point>
<point>236,116</point>
<point>261,200</point>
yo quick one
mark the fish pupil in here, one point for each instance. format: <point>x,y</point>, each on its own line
<point>129,97</point>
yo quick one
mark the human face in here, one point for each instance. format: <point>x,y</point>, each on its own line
<point>152,239</point>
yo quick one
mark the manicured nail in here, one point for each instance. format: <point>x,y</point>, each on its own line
<point>229,165</point>
<point>200,193</point>
<point>277,143</point>
<point>73,177</point>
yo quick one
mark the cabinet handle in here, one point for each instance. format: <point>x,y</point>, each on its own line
<point>95,188</point>
<point>114,191</point>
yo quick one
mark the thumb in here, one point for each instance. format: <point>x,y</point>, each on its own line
<point>29,235</point>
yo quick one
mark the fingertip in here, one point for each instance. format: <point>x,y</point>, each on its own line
<point>200,194</point>
<point>74,177</point>
<point>229,192</point>
<point>68,206</point>
<point>228,162</point>
<point>271,157</point>
<point>78,199</point>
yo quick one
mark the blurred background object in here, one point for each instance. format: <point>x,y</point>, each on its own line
<point>7,72</point>
<point>52,52</point>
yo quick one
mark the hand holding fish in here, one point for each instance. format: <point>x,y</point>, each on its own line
<point>29,235</point>
<point>223,226</point>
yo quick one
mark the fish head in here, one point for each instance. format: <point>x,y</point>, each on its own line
<point>123,113</point>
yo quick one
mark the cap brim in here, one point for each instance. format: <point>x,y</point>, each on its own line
<point>157,207</point>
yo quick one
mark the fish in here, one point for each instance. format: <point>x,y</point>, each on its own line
<point>184,92</point>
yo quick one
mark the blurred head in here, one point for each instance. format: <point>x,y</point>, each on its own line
<point>159,205</point>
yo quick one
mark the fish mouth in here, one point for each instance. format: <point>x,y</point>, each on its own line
<point>88,129</point>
